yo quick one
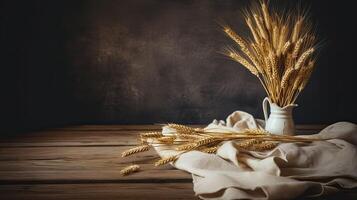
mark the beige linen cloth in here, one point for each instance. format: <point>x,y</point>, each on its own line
<point>288,171</point>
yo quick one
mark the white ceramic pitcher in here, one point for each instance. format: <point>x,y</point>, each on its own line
<point>280,120</point>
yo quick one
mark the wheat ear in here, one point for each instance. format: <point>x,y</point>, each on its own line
<point>297,48</point>
<point>257,131</point>
<point>296,30</point>
<point>129,170</point>
<point>264,146</point>
<point>235,37</point>
<point>275,37</point>
<point>242,44</point>
<point>134,150</point>
<point>266,16</point>
<point>166,140</point>
<point>181,129</point>
<point>247,143</point>
<point>206,141</point>
<point>236,57</point>
<point>274,66</point>
<point>164,161</point>
<point>190,137</point>
<point>186,147</point>
<point>303,58</point>
<point>259,22</point>
<point>252,30</point>
<point>286,47</point>
<point>281,39</point>
<point>151,134</point>
<point>286,76</point>
<point>210,149</point>
<point>307,75</point>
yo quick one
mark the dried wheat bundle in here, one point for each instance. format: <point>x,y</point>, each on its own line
<point>184,139</point>
<point>280,52</point>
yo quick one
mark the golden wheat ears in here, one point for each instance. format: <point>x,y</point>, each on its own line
<point>280,51</point>
<point>184,139</point>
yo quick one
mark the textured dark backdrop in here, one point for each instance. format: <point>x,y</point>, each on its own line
<point>148,61</point>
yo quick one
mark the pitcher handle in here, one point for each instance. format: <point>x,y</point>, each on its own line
<point>265,107</point>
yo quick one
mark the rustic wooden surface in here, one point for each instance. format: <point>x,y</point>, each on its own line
<point>83,162</point>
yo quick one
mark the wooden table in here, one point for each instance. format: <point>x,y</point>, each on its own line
<point>83,162</point>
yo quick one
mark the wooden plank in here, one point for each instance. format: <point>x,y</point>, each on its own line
<point>92,176</point>
<point>155,127</point>
<point>67,153</point>
<point>79,165</point>
<point>71,138</point>
<point>118,191</point>
<point>148,127</point>
<point>98,191</point>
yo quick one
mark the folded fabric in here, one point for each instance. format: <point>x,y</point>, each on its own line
<point>288,171</point>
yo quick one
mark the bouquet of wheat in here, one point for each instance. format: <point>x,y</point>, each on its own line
<point>281,51</point>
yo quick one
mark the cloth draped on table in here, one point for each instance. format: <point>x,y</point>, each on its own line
<point>288,171</point>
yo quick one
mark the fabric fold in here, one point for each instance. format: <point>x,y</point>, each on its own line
<point>288,171</point>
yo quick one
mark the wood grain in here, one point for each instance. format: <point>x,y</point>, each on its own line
<point>98,191</point>
<point>80,164</point>
<point>84,162</point>
<point>153,127</point>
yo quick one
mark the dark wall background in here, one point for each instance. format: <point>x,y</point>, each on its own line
<point>153,61</point>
